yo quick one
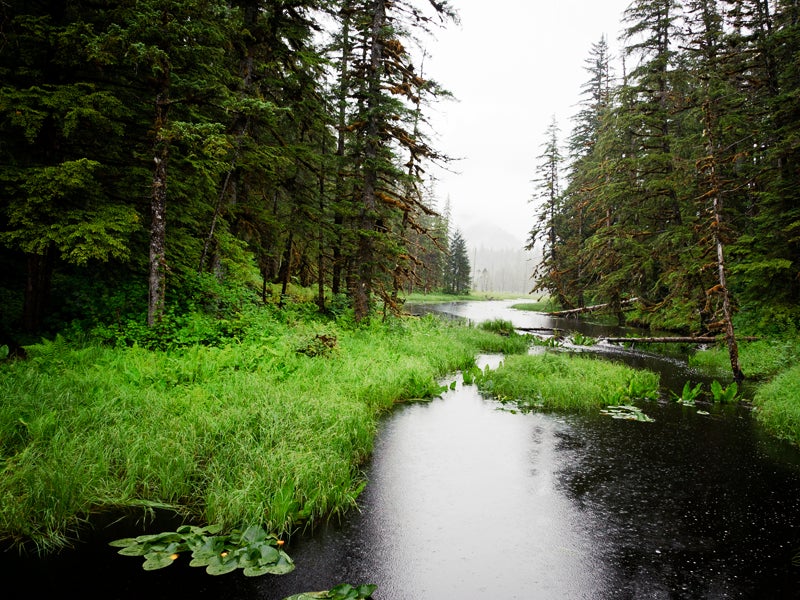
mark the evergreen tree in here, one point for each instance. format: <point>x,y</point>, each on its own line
<point>457,274</point>
<point>388,147</point>
<point>63,152</point>
<point>548,193</point>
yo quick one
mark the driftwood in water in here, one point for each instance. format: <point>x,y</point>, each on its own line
<point>668,340</point>
<point>587,309</point>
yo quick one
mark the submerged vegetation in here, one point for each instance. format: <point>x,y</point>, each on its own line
<point>269,426</point>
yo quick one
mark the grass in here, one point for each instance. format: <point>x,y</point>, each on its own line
<point>778,405</point>
<point>760,359</point>
<point>563,382</point>
<point>775,362</point>
<point>540,306</point>
<point>258,431</point>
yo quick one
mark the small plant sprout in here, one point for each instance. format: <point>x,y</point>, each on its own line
<point>689,394</point>
<point>724,395</point>
<point>578,339</point>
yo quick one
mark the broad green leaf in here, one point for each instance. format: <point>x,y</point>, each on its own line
<point>283,566</point>
<point>157,560</point>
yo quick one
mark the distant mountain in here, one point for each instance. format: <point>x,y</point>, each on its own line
<point>490,236</point>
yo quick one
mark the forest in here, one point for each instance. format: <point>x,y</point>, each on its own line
<point>160,157</point>
<point>678,186</point>
<point>213,211</point>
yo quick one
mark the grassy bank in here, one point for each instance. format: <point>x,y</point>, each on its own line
<point>775,363</point>
<point>564,382</point>
<point>778,405</point>
<point>269,427</point>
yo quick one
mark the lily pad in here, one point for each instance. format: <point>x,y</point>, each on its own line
<point>158,560</point>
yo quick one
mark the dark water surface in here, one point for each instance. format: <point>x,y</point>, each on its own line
<point>466,500</point>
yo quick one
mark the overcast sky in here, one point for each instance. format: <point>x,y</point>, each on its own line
<point>512,65</point>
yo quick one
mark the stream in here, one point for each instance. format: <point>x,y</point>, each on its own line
<point>467,500</point>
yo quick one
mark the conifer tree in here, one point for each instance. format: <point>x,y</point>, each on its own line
<point>545,230</point>
<point>62,152</point>
<point>457,273</point>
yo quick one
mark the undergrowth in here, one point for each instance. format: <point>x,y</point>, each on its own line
<point>268,426</point>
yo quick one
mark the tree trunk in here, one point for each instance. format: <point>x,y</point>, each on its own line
<point>616,307</point>
<point>364,279</point>
<point>338,218</point>
<point>158,203</point>
<point>711,123</point>
<point>37,289</point>
<point>286,267</point>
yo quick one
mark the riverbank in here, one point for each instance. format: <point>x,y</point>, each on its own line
<point>774,364</point>
<point>268,426</point>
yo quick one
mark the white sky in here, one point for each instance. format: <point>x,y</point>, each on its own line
<point>512,65</point>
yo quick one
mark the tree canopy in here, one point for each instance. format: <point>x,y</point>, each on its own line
<point>154,153</point>
<point>682,173</point>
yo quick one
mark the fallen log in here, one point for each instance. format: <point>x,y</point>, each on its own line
<point>587,309</point>
<point>670,340</point>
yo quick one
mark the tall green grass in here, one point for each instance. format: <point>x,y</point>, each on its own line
<point>778,405</point>
<point>760,359</point>
<point>564,382</point>
<point>258,431</point>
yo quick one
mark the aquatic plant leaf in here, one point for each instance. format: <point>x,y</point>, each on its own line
<point>121,543</point>
<point>269,554</point>
<point>308,596</point>
<point>627,412</point>
<point>158,560</point>
<point>221,565</point>
<point>253,534</point>
<point>366,590</point>
<point>255,571</point>
<point>135,550</point>
<point>283,566</point>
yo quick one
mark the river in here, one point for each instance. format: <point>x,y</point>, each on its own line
<point>467,500</point>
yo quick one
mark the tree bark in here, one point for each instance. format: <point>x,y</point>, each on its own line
<point>338,219</point>
<point>37,289</point>
<point>158,203</point>
<point>711,123</point>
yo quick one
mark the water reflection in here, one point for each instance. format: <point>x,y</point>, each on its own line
<point>673,370</point>
<point>464,501</point>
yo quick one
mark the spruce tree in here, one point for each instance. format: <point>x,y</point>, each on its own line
<point>457,273</point>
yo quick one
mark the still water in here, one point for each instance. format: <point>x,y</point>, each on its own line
<point>469,501</point>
